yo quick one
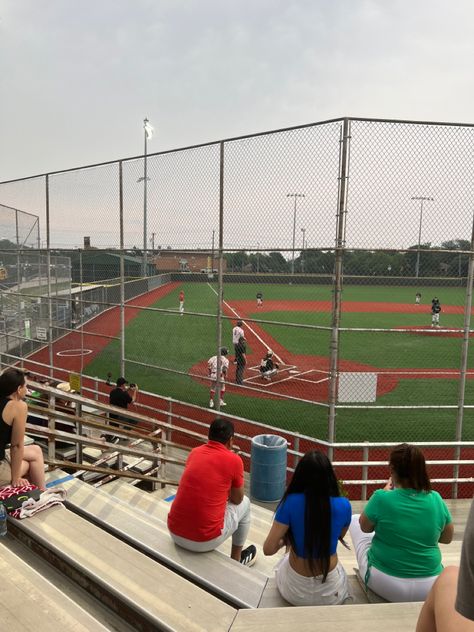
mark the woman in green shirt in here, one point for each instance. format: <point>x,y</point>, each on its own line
<point>396,537</point>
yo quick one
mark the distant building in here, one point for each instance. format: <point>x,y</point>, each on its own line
<point>175,261</point>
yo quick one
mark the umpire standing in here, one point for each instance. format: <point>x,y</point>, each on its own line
<point>240,359</point>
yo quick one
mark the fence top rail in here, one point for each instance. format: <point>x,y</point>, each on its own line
<point>265,428</point>
<point>243,137</point>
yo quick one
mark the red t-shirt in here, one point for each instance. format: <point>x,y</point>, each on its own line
<point>197,512</point>
<point>181,296</point>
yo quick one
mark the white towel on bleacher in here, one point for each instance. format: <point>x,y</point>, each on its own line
<point>48,498</point>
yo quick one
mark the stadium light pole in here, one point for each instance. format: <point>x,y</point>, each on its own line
<point>148,134</point>
<point>303,230</point>
<point>421,199</point>
<point>295,197</point>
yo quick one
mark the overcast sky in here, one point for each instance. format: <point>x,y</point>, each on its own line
<point>77,78</point>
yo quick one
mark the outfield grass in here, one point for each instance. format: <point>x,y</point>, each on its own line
<point>178,343</point>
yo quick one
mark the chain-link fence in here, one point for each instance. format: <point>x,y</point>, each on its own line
<point>324,247</point>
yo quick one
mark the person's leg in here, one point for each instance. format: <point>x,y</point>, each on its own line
<point>237,524</point>
<point>361,542</point>
<point>438,613</point>
<point>33,466</point>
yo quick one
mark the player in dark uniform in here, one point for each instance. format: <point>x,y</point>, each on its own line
<point>240,360</point>
<point>435,311</point>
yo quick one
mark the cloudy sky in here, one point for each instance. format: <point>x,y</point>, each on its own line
<point>77,78</point>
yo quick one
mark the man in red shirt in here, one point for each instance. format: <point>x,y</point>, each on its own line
<point>210,505</point>
<point>181,302</point>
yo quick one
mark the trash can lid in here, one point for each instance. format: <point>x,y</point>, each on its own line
<point>269,441</point>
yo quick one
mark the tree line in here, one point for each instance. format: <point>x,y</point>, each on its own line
<point>445,260</point>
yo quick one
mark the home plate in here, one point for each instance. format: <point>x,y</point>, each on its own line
<point>293,371</point>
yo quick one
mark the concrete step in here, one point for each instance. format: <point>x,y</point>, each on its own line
<point>29,602</point>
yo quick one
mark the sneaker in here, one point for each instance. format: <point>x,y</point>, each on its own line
<point>222,403</point>
<point>211,403</point>
<point>248,555</point>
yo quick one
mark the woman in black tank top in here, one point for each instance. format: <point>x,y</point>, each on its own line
<point>25,461</point>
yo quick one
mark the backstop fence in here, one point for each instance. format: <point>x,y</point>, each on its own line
<point>328,241</point>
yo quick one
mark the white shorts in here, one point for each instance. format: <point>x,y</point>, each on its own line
<point>311,591</point>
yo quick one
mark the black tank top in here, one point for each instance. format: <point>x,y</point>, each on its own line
<point>5,429</point>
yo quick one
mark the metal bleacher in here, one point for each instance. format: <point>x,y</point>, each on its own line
<point>114,542</point>
<point>111,540</point>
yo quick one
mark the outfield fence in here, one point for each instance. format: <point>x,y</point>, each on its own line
<point>348,228</point>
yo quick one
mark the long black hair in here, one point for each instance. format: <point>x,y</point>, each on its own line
<point>10,380</point>
<point>315,478</point>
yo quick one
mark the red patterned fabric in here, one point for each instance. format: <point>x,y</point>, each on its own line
<point>17,495</point>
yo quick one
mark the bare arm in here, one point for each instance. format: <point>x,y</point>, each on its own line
<point>447,534</point>
<point>236,495</point>
<point>365,524</point>
<point>20,414</point>
<point>275,539</point>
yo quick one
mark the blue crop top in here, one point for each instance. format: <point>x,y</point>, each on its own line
<point>291,513</point>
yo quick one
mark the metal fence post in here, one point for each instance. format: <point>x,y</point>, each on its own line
<point>296,447</point>
<point>220,290</point>
<point>338,269</point>
<point>365,472</point>
<point>48,277</point>
<point>122,274</point>
<point>464,361</point>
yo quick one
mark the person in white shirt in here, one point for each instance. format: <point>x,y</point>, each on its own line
<point>237,334</point>
<point>212,370</point>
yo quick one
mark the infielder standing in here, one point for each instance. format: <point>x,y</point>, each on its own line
<point>181,302</point>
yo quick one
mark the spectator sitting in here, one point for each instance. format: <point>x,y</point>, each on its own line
<point>448,610</point>
<point>210,505</point>
<point>309,520</point>
<point>268,368</point>
<point>20,460</point>
<point>396,537</point>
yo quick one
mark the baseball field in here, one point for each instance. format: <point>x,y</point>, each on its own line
<point>383,332</point>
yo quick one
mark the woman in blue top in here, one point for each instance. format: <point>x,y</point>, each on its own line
<point>309,520</point>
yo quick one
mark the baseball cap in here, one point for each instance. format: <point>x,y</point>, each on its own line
<point>121,381</point>
<point>239,323</point>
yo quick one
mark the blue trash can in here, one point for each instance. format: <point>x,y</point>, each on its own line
<point>268,467</point>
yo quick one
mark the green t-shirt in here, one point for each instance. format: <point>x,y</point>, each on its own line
<point>407,529</point>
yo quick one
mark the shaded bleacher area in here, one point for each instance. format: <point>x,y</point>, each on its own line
<point>106,561</point>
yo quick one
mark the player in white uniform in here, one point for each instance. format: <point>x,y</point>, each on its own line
<point>212,369</point>
<point>237,334</point>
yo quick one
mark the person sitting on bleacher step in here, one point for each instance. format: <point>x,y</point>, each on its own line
<point>396,538</point>
<point>310,519</point>
<point>210,505</point>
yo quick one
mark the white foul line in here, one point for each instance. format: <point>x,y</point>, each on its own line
<point>248,326</point>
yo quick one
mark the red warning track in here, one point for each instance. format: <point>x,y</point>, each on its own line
<point>105,324</point>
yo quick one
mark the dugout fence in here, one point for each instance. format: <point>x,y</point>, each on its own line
<point>348,228</point>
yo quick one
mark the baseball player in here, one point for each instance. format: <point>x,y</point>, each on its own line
<point>418,298</point>
<point>435,311</point>
<point>181,302</point>
<point>268,368</point>
<point>259,299</point>
<point>212,370</point>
